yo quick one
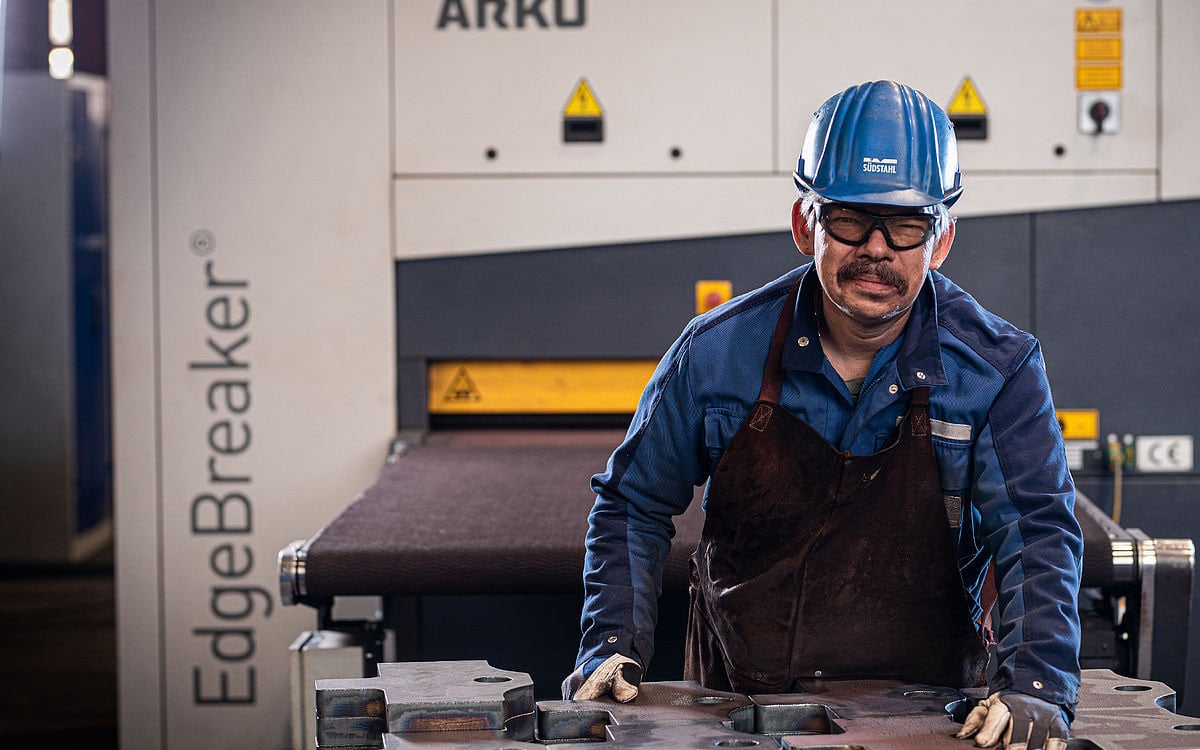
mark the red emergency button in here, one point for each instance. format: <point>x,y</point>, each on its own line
<point>709,294</point>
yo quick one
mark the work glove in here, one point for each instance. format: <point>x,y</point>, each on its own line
<point>1026,723</point>
<point>617,676</point>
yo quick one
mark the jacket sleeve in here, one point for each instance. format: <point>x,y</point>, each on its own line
<point>649,479</point>
<point>1025,497</point>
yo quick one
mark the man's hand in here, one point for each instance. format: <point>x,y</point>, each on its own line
<point>1026,722</point>
<point>618,676</point>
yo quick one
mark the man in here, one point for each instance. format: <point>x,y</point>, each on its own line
<point>872,441</point>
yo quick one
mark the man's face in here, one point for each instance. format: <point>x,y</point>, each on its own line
<point>872,282</point>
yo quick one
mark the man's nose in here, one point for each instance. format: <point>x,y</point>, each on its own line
<point>876,244</point>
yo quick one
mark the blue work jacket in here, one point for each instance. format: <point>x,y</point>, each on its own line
<point>998,443</point>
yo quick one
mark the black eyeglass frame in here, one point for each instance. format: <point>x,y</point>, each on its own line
<point>877,222</point>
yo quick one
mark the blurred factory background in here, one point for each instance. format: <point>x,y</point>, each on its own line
<point>254,248</point>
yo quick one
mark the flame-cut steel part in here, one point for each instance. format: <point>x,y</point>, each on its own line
<point>702,735</point>
<point>686,715</point>
<point>1119,713</point>
<point>658,703</point>
<point>676,736</point>
<point>456,740</point>
<point>414,697</point>
<point>471,705</point>
<point>1114,713</point>
<point>821,707</point>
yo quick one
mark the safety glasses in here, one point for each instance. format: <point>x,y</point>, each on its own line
<point>853,226</point>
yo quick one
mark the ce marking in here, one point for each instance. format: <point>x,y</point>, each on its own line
<point>1164,453</point>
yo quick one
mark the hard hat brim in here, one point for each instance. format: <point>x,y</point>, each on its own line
<point>909,198</point>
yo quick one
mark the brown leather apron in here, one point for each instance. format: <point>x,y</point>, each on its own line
<point>815,562</point>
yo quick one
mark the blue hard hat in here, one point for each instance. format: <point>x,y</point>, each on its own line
<point>882,143</point>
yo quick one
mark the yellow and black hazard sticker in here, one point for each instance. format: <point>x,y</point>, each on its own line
<point>537,387</point>
<point>968,112</point>
<point>583,117</point>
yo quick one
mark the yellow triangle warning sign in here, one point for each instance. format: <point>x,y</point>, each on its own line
<point>1107,21</point>
<point>583,102</point>
<point>462,388</point>
<point>967,100</point>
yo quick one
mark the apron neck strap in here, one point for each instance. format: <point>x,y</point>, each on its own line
<point>773,375</point>
<point>772,381</point>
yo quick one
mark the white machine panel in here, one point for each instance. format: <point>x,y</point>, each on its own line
<point>716,94</point>
<point>440,216</point>
<point>1021,56</point>
<point>1180,106</point>
<point>684,85</point>
<point>254,372</point>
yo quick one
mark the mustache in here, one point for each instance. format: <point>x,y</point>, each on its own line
<point>872,270</point>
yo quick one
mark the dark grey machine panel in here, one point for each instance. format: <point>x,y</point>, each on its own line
<point>614,301</point>
<point>1116,304</point>
<point>623,301</point>
<point>1115,311</point>
<point>631,301</point>
<point>1109,291</point>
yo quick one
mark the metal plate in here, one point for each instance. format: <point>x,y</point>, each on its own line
<point>436,704</point>
<point>825,707</point>
<point>414,697</point>
<point>485,740</point>
<point>699,736</point>
<point>658,703</point>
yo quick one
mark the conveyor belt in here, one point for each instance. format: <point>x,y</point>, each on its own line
<point>475,512</point>
<point>505,511</point>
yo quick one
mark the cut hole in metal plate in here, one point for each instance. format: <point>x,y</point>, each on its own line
<point>797,718</point>
<point>958,710</point>
<point>923,693</point>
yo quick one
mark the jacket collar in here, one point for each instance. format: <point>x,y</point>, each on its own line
<point>919,361</point>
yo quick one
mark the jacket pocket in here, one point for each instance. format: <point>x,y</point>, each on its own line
<point>720,425</point>
<point>954,459</point>
<point>954,449</point>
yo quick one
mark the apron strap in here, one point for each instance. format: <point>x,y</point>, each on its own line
<point>772,381</point>
<point>987,598</point>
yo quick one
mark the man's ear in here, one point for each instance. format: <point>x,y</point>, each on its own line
<point>801,233</point>
<point>942,248</point>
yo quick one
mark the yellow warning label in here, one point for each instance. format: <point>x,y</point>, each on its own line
<point>1098,49</point>
<point>537,387</point>
<point>967,100</point>
<point>1097,21</point>
<point>709,294</point>
<point>1079,424</point>
<point>583,102</point>
<point>462,388</point>
<point>1097,77</point>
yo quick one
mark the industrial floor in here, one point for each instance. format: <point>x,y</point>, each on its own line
<point>58,660</point>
